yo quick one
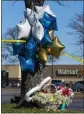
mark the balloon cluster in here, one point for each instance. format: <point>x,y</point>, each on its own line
<point>37,30</point>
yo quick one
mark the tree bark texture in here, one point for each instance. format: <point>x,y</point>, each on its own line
<point>28,3</point>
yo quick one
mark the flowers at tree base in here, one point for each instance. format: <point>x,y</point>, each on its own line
<point>66,91</point>
<point>56,98</point>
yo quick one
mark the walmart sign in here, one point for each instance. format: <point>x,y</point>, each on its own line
<point>67,72</point>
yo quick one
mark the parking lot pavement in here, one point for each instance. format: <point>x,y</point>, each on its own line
<point>77,103</point>
<point>8,93</point>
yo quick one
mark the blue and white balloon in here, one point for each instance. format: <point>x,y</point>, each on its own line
<point>30,48</point>
<point>18,48</point>
<point>48,22</point>
<point>23,30</point>
<point>27,65</point>
<point>41,9</point>
<point>31,16</point>
<point>46,39</point>
<point>38,30</point>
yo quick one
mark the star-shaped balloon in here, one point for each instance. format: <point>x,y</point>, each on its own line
<point>23,30</point>
<point>43,55</point>
<point>38,30</point>
<point>51,33</point>
<point>48,21</point>
<point>41,9</point>
<point>55,48</point>
<point>31,16</point>
<point>27,65</point>
<point>30,48</point>
<point>18,48</point>
<point>46,39</point>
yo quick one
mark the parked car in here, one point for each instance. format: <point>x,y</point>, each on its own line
<point>57,82</point>
<point>79,86</point>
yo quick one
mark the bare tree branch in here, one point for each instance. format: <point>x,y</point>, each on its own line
<point>10,33</point>
<point>78,29</point>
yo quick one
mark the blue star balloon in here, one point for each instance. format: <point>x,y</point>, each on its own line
<point>30,48</point>
<point>27,65</point>
<point>48,21</point>
<point>46,39</point>
<point>18,48</point>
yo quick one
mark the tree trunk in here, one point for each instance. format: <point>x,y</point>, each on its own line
<point>24,80</point>
<point>28,81</point>
<point>28,3</point>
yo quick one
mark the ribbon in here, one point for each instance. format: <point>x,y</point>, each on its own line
<point>74,57</point>
<point>14,41</point>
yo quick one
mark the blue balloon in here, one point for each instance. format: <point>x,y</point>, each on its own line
<point>48,21</point>
<point>46,39</point>
<point>18,48</point>
<point>27,65</point>
<point>30,48</point>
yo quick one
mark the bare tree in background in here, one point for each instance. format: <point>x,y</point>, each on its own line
<point>7,49</point>
<point>76,24</point>
<point>10,33</point>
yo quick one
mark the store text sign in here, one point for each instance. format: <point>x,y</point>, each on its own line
<point>67,72</point>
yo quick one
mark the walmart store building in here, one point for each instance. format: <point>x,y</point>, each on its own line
<point>72,73</point>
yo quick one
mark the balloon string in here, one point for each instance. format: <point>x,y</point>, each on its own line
<point>74,57</point>
<point>13,41</point>
<point>63,53</point>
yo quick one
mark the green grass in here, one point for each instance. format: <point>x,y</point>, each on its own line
<point>11,108</point>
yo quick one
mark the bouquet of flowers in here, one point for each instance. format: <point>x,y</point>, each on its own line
<point>61,96</point>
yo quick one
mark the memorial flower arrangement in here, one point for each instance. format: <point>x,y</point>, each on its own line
<point>60,97</point>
